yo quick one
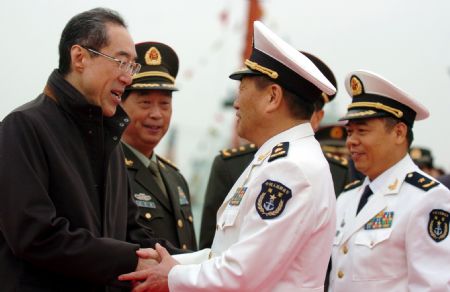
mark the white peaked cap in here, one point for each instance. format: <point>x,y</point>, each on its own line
<point>374,96</point>
<point>268,42</point>
<point>273,57</point>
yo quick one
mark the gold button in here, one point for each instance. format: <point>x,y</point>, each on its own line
<point>148,215</point>
<point>340,274</point>
<point>180,223</point>
<point>184,246</point>
<point>190,219</point>
<point>345,249</point>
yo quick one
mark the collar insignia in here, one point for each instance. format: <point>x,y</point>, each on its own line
<point>129,162</point>
<point>393,186</point>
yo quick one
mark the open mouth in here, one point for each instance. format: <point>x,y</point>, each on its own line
<point>116,95</point>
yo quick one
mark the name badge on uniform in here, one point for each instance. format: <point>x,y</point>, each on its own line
<point>381,220</point>
<point>237,197</point>
<point>182,195</point>
<point>143,200</point>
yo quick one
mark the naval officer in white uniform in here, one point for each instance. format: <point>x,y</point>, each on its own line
<point>275,228</point>
<point>392,226</point>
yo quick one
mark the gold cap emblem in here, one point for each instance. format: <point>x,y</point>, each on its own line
<point>336,133</point>
<point>153,56</point>
<point>357,87</point>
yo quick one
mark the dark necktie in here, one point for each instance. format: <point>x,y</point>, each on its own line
<point>365,196</point>
<point>153,167</point>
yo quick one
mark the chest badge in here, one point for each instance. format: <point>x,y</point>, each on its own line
<point>381,220</point>
<point>182,196</point>
<point>272,199</point>
<point>144,201</point>
<point>438,225</point>
<point>237,197</point>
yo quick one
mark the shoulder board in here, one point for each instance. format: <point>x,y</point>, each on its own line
<point>280,150</point>
<point>336,159</point>
<point>353,184</point>
<point>238,151</point>
<point>164,161</point>
<point>419,180</point>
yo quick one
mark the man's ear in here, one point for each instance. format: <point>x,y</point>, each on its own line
<point>78,58</point>
<point>275,97</point>
<point>400,131</point>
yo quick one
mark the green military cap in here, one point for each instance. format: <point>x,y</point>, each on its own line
<point>159,67</point>
<point>332,139</point>
<point>332,135</point>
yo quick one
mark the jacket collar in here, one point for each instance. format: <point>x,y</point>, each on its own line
<point>289,135</point>
<point>85,114</point>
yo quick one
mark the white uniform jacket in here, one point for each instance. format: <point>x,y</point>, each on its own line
<point>398,241</point>
<point>276,226</point>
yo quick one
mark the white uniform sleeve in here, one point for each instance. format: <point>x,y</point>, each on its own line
<point>266,247</point>
<point>428,260</point>
<point>194,257</point>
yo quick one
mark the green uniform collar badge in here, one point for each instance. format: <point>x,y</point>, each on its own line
<point>272,199</point>
<point>281,150</point>
<point>438,224</point>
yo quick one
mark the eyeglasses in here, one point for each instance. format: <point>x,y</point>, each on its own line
<point>127,67</point>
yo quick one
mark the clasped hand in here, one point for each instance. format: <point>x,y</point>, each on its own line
<point>152,270</point>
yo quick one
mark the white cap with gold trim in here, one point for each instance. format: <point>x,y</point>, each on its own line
<point>374,96</point>
<point>276,59</point>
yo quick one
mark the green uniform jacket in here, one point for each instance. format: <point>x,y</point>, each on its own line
<point>169,217</point>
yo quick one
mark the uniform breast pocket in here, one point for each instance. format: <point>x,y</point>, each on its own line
<point>150,215</point>
<point>374,255</point>
<point>228,217</point>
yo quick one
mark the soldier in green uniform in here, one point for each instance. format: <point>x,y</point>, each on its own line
<point>158,188</point>
<point>230,163</point>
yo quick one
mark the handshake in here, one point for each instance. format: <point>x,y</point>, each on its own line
<point>152,270</point>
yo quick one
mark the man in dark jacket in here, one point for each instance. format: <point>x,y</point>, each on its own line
<point>158,187</point>
<point>65,211</point>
